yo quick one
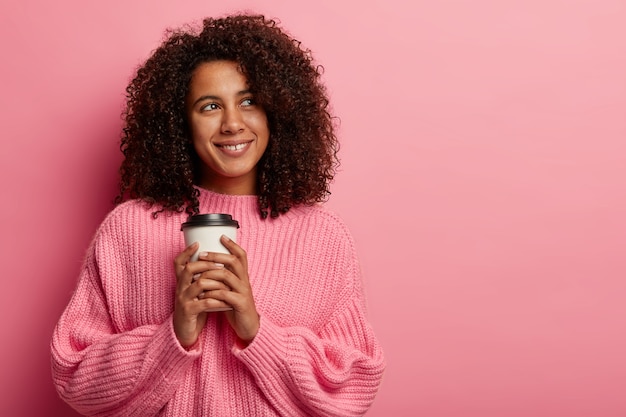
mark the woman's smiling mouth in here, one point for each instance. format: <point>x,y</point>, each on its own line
<point>233,148</point>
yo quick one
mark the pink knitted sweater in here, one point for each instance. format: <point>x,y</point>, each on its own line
<point>114,351</point>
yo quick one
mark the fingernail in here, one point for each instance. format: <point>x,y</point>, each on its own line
<point>219,265</point>
<point>195,277</point>
<point>203,254</point>
<point>226,237</point>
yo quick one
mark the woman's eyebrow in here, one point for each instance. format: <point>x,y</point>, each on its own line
<point>205,97</point>
<point>211,97</point>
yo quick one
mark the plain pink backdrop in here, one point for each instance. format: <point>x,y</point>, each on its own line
<point>483,177</point>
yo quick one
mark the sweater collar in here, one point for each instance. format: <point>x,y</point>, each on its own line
<point>239,206</point>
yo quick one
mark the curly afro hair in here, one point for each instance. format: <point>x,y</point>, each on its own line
<point>160,164</point>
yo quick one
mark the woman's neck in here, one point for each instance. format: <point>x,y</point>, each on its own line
<point>245,185</point>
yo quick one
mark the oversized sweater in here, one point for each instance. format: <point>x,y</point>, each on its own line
<point>114,351</point>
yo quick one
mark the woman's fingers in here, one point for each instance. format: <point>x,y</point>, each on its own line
<point>190,306</point>
<point>233,247</point>
<point>229,279</point>
<point>227,297</point>
<point>204,286</point>
<point>182,260</point>
<point>199,268</point>
<point>243,318</point>
<point>184,257</point>
<point>236,261</point>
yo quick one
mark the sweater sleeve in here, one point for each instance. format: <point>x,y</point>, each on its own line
<point>102,372</point>
<point>333,371</point>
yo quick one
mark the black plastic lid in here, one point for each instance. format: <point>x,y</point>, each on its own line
<point>212,219</point>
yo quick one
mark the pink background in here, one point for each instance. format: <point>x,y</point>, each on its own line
<point>483,177</point>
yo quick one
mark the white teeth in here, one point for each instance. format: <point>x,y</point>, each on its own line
<point>234,147</point>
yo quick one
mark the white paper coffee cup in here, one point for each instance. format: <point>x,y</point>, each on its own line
<point>206,229</point>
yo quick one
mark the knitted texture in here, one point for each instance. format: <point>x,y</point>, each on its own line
<point>114,351</point>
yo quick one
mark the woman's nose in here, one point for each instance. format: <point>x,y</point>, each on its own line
<point>232,121</point>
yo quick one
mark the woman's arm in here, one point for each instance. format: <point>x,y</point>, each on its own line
<point>336,372</point>
<point>102,372</point>
<point>335,367</point>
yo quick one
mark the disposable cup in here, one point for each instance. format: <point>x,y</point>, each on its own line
<point>207,229</point>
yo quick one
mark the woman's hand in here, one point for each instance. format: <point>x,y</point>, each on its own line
<point>189,306</point>
<point>236,291</point>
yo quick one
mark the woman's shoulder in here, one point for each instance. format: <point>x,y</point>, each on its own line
<point>324,235</point>
<point>325,220</point>
<point>127,210</point>
<point>135,215</point>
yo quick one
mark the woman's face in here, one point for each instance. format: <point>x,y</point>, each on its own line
<point>229,130</point>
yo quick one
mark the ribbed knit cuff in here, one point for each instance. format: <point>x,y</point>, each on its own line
<point>171,358</point>
<point>267,351</point>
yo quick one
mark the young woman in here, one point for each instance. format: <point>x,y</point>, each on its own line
<point>231,118</point>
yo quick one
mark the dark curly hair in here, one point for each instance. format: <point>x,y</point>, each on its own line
<point>160,164</point>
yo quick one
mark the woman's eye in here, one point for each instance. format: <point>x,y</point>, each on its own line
<point>210,106</point>
<point>248,102</point>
